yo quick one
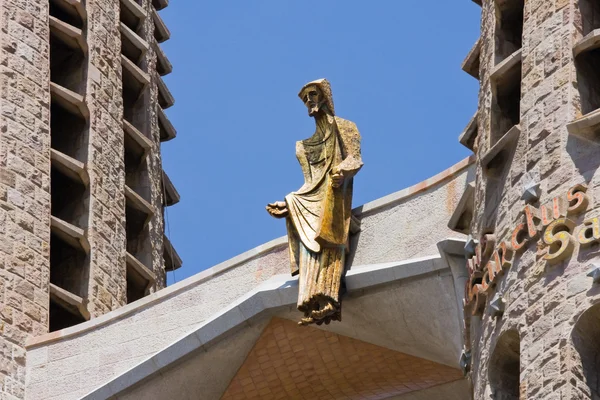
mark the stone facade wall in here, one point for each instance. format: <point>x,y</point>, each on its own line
<point>543,301</point>
<point>24,185</point>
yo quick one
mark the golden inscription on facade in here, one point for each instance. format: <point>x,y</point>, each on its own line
<point>551,225</point>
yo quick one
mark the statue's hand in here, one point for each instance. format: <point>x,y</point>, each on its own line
<point>337,177</point>
<point>278,209</point>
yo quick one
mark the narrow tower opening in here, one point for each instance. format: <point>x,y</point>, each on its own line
<point>68,198</point>
<point>61,10</point>
<point>139,249</point>
<point>132,46</point>
<point>136,286</point>
<point>136,173</point>
<point>67,262</point>
<point>67,62</point>
<point>506,103</point>
<point>588,76</point>
<point>67,132</point>
<point>505,367</point>
<point>585,339</point>
<point>134,104</point>
<point>138,243</point>
<point>69,248</point>
<point>132,14</point>
<point>590,15</point>
<point>509,27</point>
<point>61,318</point>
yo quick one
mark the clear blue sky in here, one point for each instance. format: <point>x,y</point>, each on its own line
<point>394,67</point>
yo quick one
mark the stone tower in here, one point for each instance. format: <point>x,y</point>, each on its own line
<point>82,189</point>
<point>532,297</point>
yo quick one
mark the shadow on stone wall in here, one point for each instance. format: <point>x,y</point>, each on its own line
<point>586,363</point>
<point>585,155</point>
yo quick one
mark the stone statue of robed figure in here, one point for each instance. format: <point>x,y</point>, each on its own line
<point>318,215</point>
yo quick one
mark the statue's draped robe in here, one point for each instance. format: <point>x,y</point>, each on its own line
<point>319,214</point>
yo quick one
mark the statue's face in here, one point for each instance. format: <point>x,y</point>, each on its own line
<point>312,98</point>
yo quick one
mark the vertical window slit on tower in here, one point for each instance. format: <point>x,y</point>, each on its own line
<point>69,248</point>
<point>67,11</point>
<point>505,367</point>
<point>509,27</point>
<point>67,132</point>
<point>587,56</point>
<point>68,275</point>
<point>136,172</point>
<point>588,77</point>
<point>161,32</point>
<point>132,45</point>
<point>590,15</point>
<point>133,14</point>
<point>506,102</point>
<point>135,88</point>
<point>136,286</point>
<point>139,252</point>
<point>67,57</point>
<point>62,317</point>
<point>68,198</point>
<point>138,212</point>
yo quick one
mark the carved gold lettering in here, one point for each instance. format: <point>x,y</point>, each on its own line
<point>517,241</point>
<point>578,199</point>
<point>559,240</point>
<point>552,220</point>
<point>532,215</point>
<point>589,232</point>
<point>546,215</point>
<point>503,256</point>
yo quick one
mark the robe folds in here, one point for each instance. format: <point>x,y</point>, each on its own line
<point>319,214</point>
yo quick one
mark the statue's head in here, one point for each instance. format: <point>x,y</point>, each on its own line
<point>317,97</point>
